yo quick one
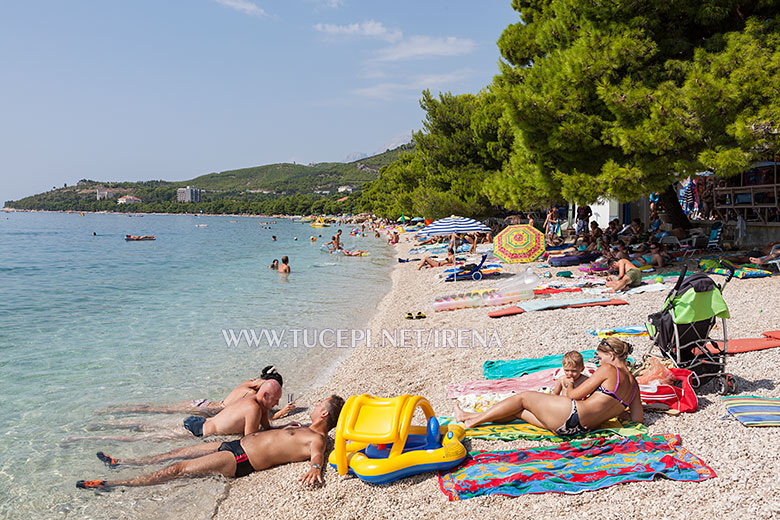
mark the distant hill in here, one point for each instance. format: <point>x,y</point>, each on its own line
<point>259,183</point>
<point>298,178</point>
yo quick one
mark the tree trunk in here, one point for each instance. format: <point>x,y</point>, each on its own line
<point>671,203</point>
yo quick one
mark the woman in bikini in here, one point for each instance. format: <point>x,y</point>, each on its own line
<point>610,392</point>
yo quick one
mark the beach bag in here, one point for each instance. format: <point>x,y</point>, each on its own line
<point>683,399</point>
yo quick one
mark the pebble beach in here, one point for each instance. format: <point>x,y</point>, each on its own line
<point>746,460</point>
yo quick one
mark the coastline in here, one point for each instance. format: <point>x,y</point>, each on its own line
<point>736,453</point>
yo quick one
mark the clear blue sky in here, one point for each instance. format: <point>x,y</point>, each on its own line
<point>172,89</point>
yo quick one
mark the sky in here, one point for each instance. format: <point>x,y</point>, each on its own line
<point>115,90</point>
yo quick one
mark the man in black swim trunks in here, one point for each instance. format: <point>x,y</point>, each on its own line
<point>255,452</point>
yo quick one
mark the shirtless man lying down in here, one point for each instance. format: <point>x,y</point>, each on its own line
<point>254,452</point>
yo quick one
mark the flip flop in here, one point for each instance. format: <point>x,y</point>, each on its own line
<point>419,316</point>
<point>111,462</point>
<point>409,316</point>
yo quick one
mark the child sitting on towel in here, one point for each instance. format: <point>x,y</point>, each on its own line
<point>572,377</point>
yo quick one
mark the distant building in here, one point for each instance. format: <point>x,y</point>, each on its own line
<point>188,194</point>
<point>104,194</point>
<point>128,199</point>
<point>342,189</point>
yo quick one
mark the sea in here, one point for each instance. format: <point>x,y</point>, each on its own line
<point>89,321</point>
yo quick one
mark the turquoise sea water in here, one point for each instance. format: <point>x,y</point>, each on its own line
<point>88,321</point>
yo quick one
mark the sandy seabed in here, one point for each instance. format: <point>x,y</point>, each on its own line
<point>746,460</point>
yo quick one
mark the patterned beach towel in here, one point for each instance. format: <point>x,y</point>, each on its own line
<point>752,410</point>
<point>632,330</point>
<point>489,388</point>
<point>573,467</point>
<point>534,381</point>
<point>522,430</point>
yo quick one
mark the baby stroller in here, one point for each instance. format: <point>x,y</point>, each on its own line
<point>683,329</point>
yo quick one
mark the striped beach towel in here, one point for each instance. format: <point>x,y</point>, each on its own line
<point>752,410</point>
<point>522,430</point>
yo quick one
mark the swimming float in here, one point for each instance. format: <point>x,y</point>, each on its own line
<point>385,446</point>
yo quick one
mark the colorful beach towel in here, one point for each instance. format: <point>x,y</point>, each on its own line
<point>752,410</point>
<point>501,369</point>
<point>714,267</point>
<point>638,330</point>
<point>523,430</point>
<point>534,381</point>
<point>573,467</point>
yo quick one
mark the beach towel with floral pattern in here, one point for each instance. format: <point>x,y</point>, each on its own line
<point>573,467</point>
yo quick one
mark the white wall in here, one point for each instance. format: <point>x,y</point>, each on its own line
<point>604,211</point>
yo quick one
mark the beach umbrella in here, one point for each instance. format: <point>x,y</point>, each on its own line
<point>417,219</point>
<point>521,243</point>
<point>402,219</point>
<point>453,224</point>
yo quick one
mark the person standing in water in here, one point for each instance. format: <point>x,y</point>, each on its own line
<point>284,268</point>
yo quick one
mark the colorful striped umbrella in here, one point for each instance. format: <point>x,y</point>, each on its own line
<point>520,243</point>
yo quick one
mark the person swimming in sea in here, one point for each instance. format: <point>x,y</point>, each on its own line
<point>284,267</point>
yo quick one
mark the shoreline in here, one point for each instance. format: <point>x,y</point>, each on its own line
<point>737,454</point>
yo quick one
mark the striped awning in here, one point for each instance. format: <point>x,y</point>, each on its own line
<point>453,224</point>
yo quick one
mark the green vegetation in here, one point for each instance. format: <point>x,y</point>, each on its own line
<point>622,98</point>
<point>619,98</point>
<point>465,141</point>
<point>275,188</point>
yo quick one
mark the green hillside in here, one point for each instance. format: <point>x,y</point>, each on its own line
<point>278,188</point>
<point>298,178</point>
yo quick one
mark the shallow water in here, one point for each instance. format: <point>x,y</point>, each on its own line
<point>88,321</point>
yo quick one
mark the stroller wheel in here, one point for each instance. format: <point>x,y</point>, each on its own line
<point>477,276</point>
<point>731,383</point>
<point>726,384</point>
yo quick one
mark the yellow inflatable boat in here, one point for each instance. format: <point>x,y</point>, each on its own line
<point>386,447</point>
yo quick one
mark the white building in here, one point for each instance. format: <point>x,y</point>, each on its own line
<point>188,194</point>
<point>104,194</point>
<point>342,189</point>
<point>128,199</point>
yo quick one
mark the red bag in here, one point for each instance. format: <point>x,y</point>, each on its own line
<point>681,399</point>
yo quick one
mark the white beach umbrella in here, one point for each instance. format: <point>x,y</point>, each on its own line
<point>453,224</point>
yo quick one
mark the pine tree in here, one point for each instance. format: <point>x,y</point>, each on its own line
<point>622,98</point>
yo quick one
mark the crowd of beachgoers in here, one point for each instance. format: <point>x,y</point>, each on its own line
<point>290,446</point>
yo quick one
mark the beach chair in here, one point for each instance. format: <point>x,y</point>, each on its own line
<point>713,241</point>
<point>776,261</point>
<point>671,240</point>
<point>463,273</point>
<point>713,244</point>
<point>682,330</point>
